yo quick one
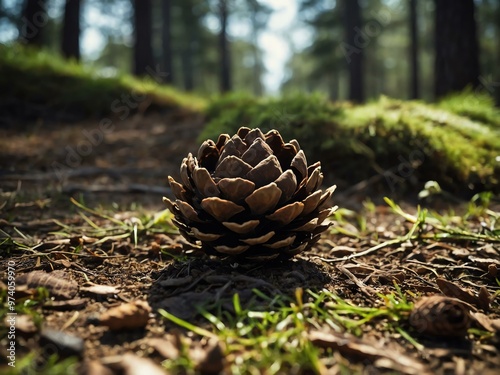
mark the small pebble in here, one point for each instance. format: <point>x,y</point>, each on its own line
<point>65,345</point>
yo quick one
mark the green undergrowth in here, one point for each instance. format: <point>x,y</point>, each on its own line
<point>475,105</point>
<point>103,224</point>
<point>404,143</point>
<point>36,79</point>
<point>275,333</point>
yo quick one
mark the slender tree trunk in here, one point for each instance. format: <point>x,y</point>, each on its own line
<point>34,19</point>
<point>143,51</point>
<point>353,32</point>
<point>187,48</point>
<point>166,40</point>
<point>496,75</point>
<point>414,76</point>
<point>457,52</point>
<point>225,58</point>
<point>71,29</point>
<point>257,66</point>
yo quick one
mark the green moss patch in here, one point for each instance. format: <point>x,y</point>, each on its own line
<point>39,84</point>
<point>405,144</point>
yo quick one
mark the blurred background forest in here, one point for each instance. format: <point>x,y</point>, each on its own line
<point>355,50</point>
<point>396,91</point>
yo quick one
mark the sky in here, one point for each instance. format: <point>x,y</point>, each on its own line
<point>273,41</point>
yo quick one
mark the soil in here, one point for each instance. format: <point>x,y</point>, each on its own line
<point>43,165</point>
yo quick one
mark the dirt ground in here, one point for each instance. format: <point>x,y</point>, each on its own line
<point>43,165</point>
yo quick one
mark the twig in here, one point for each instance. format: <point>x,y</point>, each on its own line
<point>367,290</point>
<point>124,189</point>
<point>80,172</point>
<point>366,252</point>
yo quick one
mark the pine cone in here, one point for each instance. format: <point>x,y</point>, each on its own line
<point>251,196</point>
<point>440,316</point>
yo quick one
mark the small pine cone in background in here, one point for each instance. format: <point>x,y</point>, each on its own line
<point>440,316</point>
<point>252,196</point>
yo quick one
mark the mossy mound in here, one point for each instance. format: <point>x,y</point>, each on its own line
<point>399,144</point>
<point>38,84</point>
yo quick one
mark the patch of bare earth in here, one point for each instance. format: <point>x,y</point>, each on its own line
<point>98,285</point>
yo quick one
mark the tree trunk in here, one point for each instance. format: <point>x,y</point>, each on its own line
<point>166,40</point>
<point>414,76</point>
<point>187,47</point>
<point>356,43</point>
<point>34,19</point>
<point>257,61</point>
<point>71,30</point>
<point>496,75</point>
<point>225,58</point>
<point>143,51</point>
<point>457,52</point>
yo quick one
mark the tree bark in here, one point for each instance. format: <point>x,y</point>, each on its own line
<point>225,58</point>
<point>143,51</point>
<point>34,18</point>
<point>167,40</point>
<point>414,66</point>
<point>354,41</point>
<point>71,29</point>
<point>456,46</point>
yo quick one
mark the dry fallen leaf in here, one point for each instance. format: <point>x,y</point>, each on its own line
<point>168,347</point>
<point>491,325</point>
<point>57,283</point>
<point>68,305</point>
<point>453,290</point>
<point>25,324</point>
<point>440,316</point>
<point>131,364</point>
<point>130,315</point>
<point>102,290</point>
<point>353,347</point>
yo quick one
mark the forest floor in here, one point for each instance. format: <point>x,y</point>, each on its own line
<point>122,293</point>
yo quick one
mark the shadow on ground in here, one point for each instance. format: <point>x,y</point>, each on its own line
<point>183,288</point>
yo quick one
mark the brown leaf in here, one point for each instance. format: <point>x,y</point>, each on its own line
<point>68,305</point>
<point>102,290</point>
<point>57,283</point>
<point>64,262</point>
<point>168,347</point>
<point>351,346</point>
<point>25,324</point>
<point>130,315</point>
<point>453,290</point>
<point>491,325</point>
<point>131,364</point>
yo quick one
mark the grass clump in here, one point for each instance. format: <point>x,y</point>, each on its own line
<point>405,144</point>
<point>39,83</point>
